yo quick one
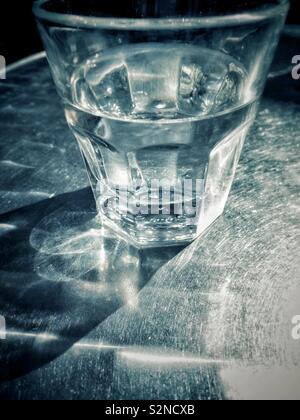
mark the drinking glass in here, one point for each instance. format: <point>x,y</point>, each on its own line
<point>160,96</point>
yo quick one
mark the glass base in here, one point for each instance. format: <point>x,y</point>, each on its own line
<point>146,232</point>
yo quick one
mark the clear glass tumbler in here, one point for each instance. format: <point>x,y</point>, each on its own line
<point>160,96</point>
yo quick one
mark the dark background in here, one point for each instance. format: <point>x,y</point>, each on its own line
<point>19,36</point>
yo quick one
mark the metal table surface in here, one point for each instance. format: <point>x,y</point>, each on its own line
<point>89,317</point>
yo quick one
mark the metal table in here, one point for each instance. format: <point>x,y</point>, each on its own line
<point>89,317</point>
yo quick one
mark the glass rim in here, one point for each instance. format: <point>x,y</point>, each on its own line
<point>91,22</point>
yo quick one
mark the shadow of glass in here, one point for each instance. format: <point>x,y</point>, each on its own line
<point>62,274</point>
